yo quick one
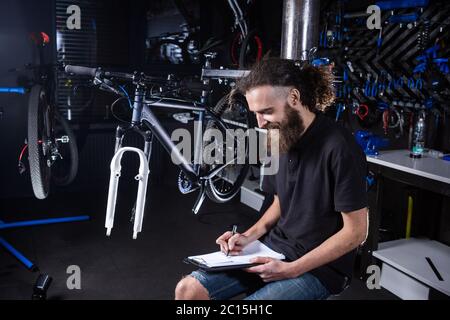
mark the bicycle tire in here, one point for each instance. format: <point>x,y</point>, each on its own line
<point>243,59</point>
<point>212,191</point>
<point>72,169</point>
<point>40,172</point>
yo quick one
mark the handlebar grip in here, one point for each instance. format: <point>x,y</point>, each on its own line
<point>81,71</point>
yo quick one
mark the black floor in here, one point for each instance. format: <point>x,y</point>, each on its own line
<point>120,267</point>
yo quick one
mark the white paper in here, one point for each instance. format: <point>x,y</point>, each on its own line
<point>252,250</point>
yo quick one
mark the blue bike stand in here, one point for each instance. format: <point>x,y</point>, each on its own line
<point>27,263</point>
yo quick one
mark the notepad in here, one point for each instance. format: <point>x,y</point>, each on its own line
<point>219,260</point>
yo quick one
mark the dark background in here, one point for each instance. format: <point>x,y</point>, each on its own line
<point>113,35</point>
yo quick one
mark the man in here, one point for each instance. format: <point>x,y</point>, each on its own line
<point>318,216</point>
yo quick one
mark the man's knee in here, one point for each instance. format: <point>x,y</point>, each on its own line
<point>190,288</point>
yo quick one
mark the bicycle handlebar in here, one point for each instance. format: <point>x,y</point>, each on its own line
<point>141,78</point>
<point>81,71</point>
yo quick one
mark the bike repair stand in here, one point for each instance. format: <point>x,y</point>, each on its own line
<point>43,281</point>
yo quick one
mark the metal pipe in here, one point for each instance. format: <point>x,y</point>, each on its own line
<point>29,223</point>
<point>30,265</point>
<point>300,28</point>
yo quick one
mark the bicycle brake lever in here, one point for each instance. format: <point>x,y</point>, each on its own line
<point>105,86</point>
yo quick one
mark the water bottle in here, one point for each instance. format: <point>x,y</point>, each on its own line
<point>418,141</point>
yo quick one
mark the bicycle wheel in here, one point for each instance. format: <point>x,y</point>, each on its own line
<point>251,50</point>
<point>38,141</point>
<point>65,168</point>
<point>227,183</point>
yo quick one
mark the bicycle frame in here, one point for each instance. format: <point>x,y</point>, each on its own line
<point>143,114</point>
<point>143,118</point>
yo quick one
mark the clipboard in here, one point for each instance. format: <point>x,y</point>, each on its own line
<point>214,261</point>
<point>218,268</point>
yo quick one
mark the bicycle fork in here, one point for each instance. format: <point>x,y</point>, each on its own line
<point>142,177</point>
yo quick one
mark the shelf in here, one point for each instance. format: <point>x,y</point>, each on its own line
<point>409,257</point>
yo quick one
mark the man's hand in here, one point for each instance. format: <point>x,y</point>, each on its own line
<point>232,244</point>
<point>272,269</point>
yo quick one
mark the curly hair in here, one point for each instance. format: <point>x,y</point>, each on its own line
<point>314,83</point>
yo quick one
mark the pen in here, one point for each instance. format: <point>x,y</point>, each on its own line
<point>435,270</point>
<point>233,232</point>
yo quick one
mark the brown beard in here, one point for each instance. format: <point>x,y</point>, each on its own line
<point>290,129</point>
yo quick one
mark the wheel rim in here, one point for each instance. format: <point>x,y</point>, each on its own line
<point>227,183</point>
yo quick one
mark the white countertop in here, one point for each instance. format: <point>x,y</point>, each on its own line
<point>428,167</point>
<point>409,256</point>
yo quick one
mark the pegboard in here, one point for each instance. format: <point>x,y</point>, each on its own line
<point>402,66</point>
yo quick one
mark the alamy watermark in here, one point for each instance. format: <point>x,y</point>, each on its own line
<point>373,281</point>
<point>74,20</point>
<point>230,146</point>
<point>374,19</point>
<point>74,280</point>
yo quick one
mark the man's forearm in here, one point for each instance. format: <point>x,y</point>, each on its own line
<point>331,249</point>
<point>266,222</point>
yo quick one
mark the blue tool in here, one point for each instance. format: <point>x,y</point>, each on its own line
<point>320,62</point>
<point>370,180</point>
<point>400,4</point>
<point>419,83</point>
<point>374,90</point>
<point>367,88</point>
<point>429,103</point>
<point>391,84</point>
<point>347,90</point>
<point>404,18</point>
<point>379,40</point>
<point>370,142</point>
<point>441,63</point>
<point>340,108</point>
<point>382,106</point>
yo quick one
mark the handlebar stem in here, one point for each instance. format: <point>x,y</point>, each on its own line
<point>139,95</point>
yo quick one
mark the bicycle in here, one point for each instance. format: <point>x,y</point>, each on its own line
<point>51,142</point>
<point>220,182</point>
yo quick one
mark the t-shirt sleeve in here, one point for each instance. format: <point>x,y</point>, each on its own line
<point>268,184</point>
<point>349,168</point>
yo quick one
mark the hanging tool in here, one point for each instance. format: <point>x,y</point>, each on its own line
<point>362,111</point>
<point>404,18</point>
<point>340,108</point>
<point>379,40</point>
<point>370,142</point>
<point>367,86</point>
<point>401,4</point>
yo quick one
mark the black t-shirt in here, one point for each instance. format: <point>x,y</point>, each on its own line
<point>320,177</point>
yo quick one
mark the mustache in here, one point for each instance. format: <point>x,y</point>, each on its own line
<point>271,125</point>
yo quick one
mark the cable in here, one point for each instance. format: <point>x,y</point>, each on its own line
<point>127,96</point>
<point>112,110</point>
<point>23,151</point>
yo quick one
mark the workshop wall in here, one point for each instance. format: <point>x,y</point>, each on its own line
<point>395,71</point>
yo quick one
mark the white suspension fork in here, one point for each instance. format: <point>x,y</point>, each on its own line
<point>142,177</point>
